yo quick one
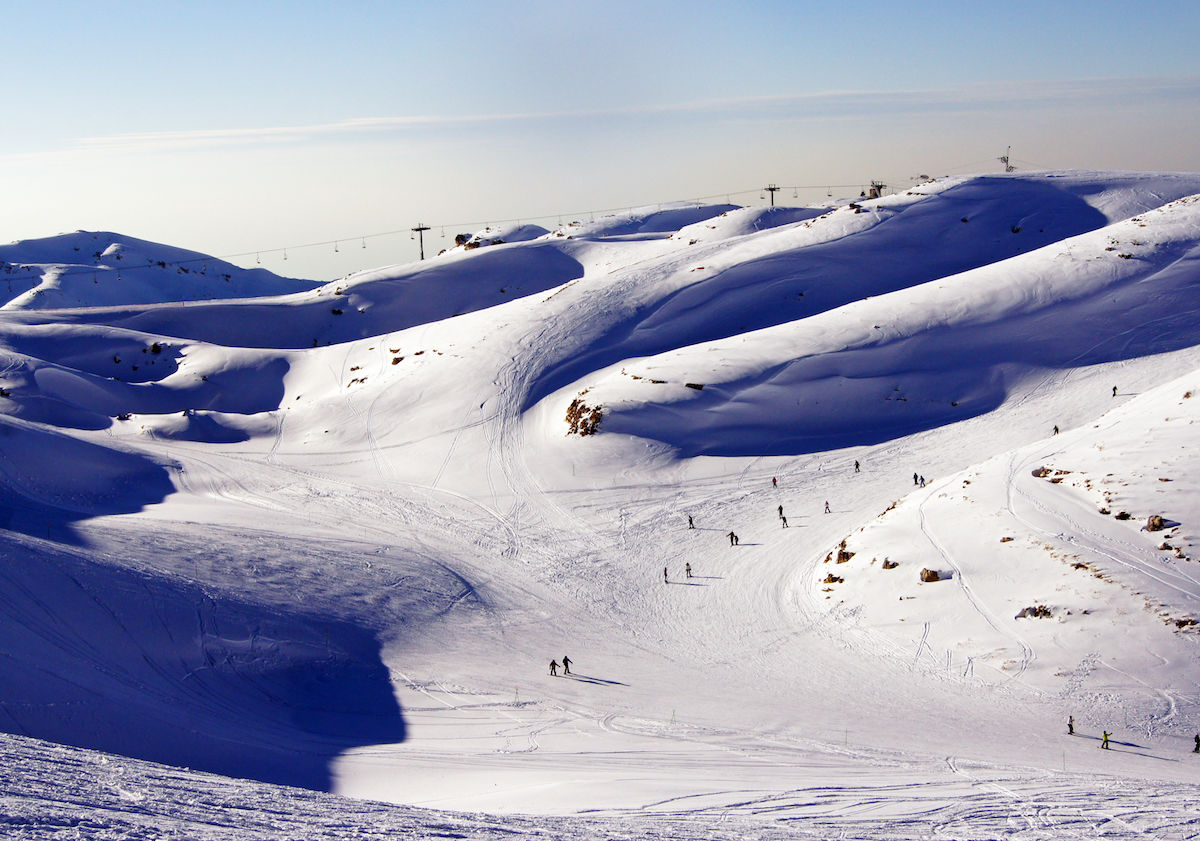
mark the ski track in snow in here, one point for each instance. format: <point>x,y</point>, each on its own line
<point>742,703</point>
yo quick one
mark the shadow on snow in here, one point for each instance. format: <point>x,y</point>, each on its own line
<point>158,669</point>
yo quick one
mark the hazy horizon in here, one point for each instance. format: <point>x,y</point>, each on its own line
<point>240,131</point>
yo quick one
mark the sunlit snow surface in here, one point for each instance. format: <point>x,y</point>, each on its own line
<point>330,536</point>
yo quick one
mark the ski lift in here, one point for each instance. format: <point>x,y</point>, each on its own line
<point>762,195</point>
<point>285,253</point>
<point>443,232</point>
<point>335,247</point>
<point>829,192</point>
<point>257,258</point>
<point>364,242</point>
<point>795,192</point>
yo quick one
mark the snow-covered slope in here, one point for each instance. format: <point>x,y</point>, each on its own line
<point>332,536</point>
<point>97,268</point>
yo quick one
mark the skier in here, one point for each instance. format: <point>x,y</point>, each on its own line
<point>553,668</point>
<point>732,539</point>
<point>566,665</point>
<point>827,506</point>
<point>1114,391</point>
<point>665,579</point>
<point>784,519</point>
<point>1055,429</point>
<point>690,524</point>
<point>922,481</point>
<point>774,482</point>
<point>781,511</point>
<point>687,569</point>
<point>1196,749</point>
<point>1104,740</point>
<point>914,478</point>
<point>1070,725</point>
<point>856,470</point>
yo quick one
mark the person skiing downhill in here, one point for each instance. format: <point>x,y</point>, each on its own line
<point>1104,740</point>
<point>827,511</point>
<point>1070,725</point>
<point>732,539</point>
<point>566,665</point>
<point>553,668</point>
<point>687,569</point>
<point>781,511</point>
<point>665,579</point>
<point>783,519</point>
<point>1196,749</point>
<point>774,482</point>
<point>690,524</point>
<point>856,466</point>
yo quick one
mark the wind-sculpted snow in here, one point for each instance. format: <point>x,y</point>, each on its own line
<point>645,221</point>
<point>336,537</point>
<point>161,669</point>
<point>370,303</point>
<point>846,255</point>
<point>49,476</point>
<point>878,369</point>
<point>91,269</point>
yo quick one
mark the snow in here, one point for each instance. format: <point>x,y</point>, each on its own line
<point>310,548</point>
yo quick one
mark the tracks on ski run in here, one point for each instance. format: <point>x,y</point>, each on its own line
<point>1027,653</point>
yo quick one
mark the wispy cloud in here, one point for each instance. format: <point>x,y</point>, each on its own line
<point>823,105</point>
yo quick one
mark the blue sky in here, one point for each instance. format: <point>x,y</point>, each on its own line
<point>232,127</point>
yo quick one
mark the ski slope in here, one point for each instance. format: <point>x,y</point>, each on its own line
<point>329,537</point>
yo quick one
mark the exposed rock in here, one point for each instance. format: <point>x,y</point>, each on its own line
<point>1155,523</point>
<point>928,575</point>
<point>1037,612</point>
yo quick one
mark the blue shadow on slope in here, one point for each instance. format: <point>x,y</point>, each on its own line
<point>872,393</point>
<point>158,669</point>
<point>920,242</point>
<point>371,305</point>
<point>50,480</point>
